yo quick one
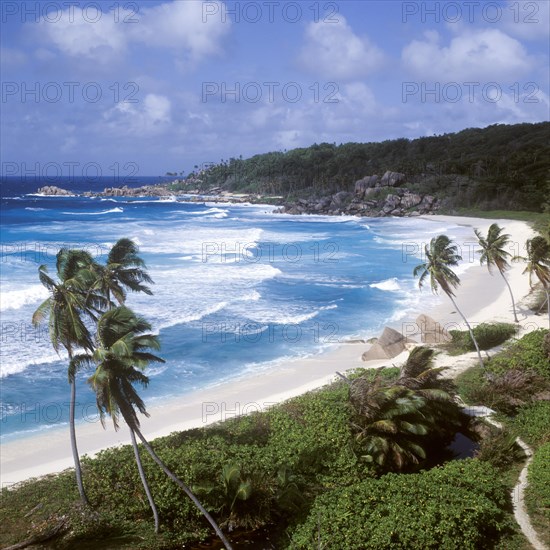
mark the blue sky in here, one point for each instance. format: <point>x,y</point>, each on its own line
<point>155,86</point>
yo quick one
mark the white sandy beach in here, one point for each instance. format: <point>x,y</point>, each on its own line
<point>480,296</point>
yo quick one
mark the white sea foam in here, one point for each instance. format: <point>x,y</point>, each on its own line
<point>16,299</point>
<point>111,211</point>
<point>214,210</point>
<point>391,285</point>
<point>13,362</point>
<point>35,209</point>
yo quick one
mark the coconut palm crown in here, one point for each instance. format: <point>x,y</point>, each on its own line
<point>441,255</point>
<point>493,253</point>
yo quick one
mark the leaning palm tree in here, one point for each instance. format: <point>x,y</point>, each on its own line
<point>441,255</point>
<point>66,309</point>
<point>538,264</point>
<point>389,424</point>
<point>418,374</point>
<point>123,350</point>
<point>493,253</point>
<point>124,270</point>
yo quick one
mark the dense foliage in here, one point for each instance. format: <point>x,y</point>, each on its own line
<point>501,166</point>
<point>514,378</point>
<point>538,490</point>
<point>488,335</point>
<point>401,422</point>
<point>414,511</point>
<point>527,353</point>
<point>533,423</point>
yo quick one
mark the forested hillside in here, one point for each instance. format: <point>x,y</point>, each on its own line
<point>498,167</point>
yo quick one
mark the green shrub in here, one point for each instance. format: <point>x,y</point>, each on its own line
<point>460,505</point>
<point>487,335</point>
<point>527,353</point>
<point>537,493</point>
<point>533,423</point>
<point>470,385</point>
<point>500,449</point>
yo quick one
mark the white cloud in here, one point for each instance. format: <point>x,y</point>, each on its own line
<point>180,26</point>
<point>333,50</point>
<point>157,108</point>
<point>74,34</point>
<point>177,26</point>
<point>152,116</point>
<point>528,19</point>
<point>484,54</point>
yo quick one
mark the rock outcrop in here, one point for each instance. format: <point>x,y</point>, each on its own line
<point>53,190</point>
<point>431,331</point>
<point>389,345</point>
<point>391,179</point>
<point>367,201</point>
<point>125,191</point>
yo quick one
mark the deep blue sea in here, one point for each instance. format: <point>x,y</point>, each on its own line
<point>237,288</point>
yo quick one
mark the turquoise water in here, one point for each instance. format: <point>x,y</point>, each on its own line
<point>237,289</point>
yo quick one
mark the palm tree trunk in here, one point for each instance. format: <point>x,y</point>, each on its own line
<point>470,330</point>
<point>144,481</point>
<point>76,457</point>
<point>188,492</point>
<point>511,296</point>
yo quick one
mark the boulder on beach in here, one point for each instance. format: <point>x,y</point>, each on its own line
<point>389,345</point>
<point>431,331</point>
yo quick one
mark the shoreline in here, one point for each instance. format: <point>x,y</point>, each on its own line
<point>481,297</point>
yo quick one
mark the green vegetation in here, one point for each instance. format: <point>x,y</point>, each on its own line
<point>487,335</point>
<point>273,470</point>
<point>539,221</point>
<point>498,167</point>
<point>515,377</point>
<point>81,299</point>
<point>538,491</point>
<point>397,421</point>
<point>528,353</point>
<point>538,265</point>
<point>425,510</point>
<point>533,423</point>
<point>516,384</point>
<point>500,449</point>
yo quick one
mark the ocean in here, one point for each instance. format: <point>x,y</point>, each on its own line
<point>237,289</point>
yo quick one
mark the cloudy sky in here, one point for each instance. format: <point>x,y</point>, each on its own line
<point>158,86</point>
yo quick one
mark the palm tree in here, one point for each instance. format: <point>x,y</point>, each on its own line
<point>123,270</point>
<point>123,346</point>
<point>493,254</point>
<point>441,255</point>
<point>538,264</point>
<point>69,303</point>
<point>418,374</point>
<point>388,423</point>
